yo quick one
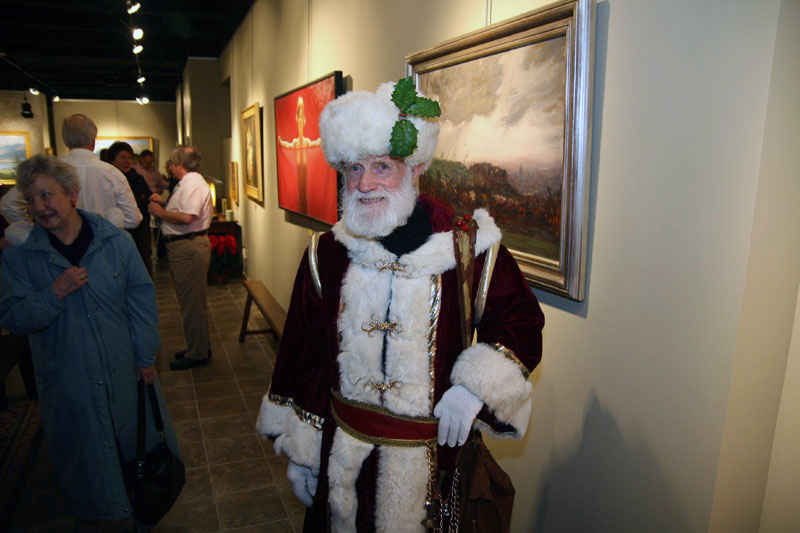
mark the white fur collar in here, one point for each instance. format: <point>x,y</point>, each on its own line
<point>433,257</point>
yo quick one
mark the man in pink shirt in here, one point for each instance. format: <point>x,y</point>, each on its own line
<point>147,168</point>
<point>185,221</point>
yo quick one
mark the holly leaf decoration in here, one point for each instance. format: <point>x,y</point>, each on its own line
<point>404,139</point>
<point>404,94</point>
<point>404,133</point>
<point>425,107</point>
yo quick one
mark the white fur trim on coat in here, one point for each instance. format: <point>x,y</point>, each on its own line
<point>347,456</point>
<point>498,382</point>
<point>433,257</point>
<point>300,441</point>
<point>272,417</point>
<point>402,488</point>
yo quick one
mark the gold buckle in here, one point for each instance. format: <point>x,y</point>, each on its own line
<point>392,327</point>
<point>394,266</point>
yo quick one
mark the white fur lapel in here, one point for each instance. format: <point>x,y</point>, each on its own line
<point>433,257</point>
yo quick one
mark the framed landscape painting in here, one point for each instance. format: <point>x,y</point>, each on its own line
<point>306,184</point>
<point>15,147</point>
<point>252,174</point>
<point>137,143</point>
<point>515,134</point>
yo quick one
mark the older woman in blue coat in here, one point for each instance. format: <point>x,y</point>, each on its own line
<point>79,289</point>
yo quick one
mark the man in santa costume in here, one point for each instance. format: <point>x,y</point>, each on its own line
<point>375,387</point>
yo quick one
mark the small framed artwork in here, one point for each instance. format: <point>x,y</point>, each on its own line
<point>15,147</point>
<point>306,184</point>
<point>233,183</point>
<point>515,134</point>
<point>252,173</point>
<point>137,143</point>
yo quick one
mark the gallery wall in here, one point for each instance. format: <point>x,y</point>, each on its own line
<point>123,118</point>
<point>206,116</point>
<point>656,402</point>
<point>11,120</point>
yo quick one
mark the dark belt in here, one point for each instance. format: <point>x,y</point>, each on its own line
<point>378,425</point>
<point>191,235</point>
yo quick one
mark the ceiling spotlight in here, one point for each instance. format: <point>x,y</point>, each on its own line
<point>56,98</point>
<point>33,91</point>
<point>138,33</point>
<point>140,79</point>
<point>143,100</point>
<point>138,48</point>
<point>133,7</point>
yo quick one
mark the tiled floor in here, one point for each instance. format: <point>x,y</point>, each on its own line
<point>234,481</point>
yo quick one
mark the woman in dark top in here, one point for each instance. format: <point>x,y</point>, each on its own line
<point>120,154</point>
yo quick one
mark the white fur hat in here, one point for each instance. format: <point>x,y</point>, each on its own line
<point>359,124</point>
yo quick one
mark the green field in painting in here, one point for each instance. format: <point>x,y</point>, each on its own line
<point>531,245</point>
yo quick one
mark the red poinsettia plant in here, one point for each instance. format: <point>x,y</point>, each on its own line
<point>223,254</point>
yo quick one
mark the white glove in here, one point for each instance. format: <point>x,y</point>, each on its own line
<point>456,411</point>
<point>304,483</point>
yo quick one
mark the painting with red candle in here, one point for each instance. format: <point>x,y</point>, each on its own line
<point>306,183</point>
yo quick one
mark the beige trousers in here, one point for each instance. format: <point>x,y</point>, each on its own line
<point>188,264</point>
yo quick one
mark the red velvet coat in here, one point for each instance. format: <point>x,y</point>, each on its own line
<point>380,487</point>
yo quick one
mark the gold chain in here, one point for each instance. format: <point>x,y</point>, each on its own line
<point>431,504</point>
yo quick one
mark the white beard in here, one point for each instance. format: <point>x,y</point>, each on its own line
<point>370,221</point>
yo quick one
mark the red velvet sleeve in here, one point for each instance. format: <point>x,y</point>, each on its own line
<point>509,347</point>
<point>512,316</point>
<point>299,368</point>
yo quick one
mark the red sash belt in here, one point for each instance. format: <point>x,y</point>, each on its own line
<point>378,425</point>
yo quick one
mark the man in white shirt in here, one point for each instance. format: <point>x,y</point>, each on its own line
<point>185,221</point>
<point>13,206</point>
<point>104,189</point>
<point>103,186</point>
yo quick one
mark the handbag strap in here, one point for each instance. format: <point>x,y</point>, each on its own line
<point>140,417</point>
<point>140,423</point>
<point>151,389</point>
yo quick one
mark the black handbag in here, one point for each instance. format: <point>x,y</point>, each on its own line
<point>154,479</point>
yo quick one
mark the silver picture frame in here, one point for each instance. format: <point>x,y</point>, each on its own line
<point>541,198</point>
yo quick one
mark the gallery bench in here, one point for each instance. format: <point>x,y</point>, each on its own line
<point>269,307</point>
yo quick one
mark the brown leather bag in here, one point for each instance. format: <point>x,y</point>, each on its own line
<point>487,494</point>
<point>484,491</point>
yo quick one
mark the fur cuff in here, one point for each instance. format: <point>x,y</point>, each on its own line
<point>301,442</point>
<point>498,381</point>
<point>272,417</point>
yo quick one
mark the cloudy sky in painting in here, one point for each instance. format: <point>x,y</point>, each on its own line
<point>507,108</point>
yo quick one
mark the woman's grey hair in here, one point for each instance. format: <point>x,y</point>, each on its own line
<point>46,165</point>
<point>186,155</point>
<point>78,130</point>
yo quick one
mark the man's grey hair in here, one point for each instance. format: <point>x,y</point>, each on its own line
<point>78,131</point>
<point>46,165</point>
<point>186,155</point>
